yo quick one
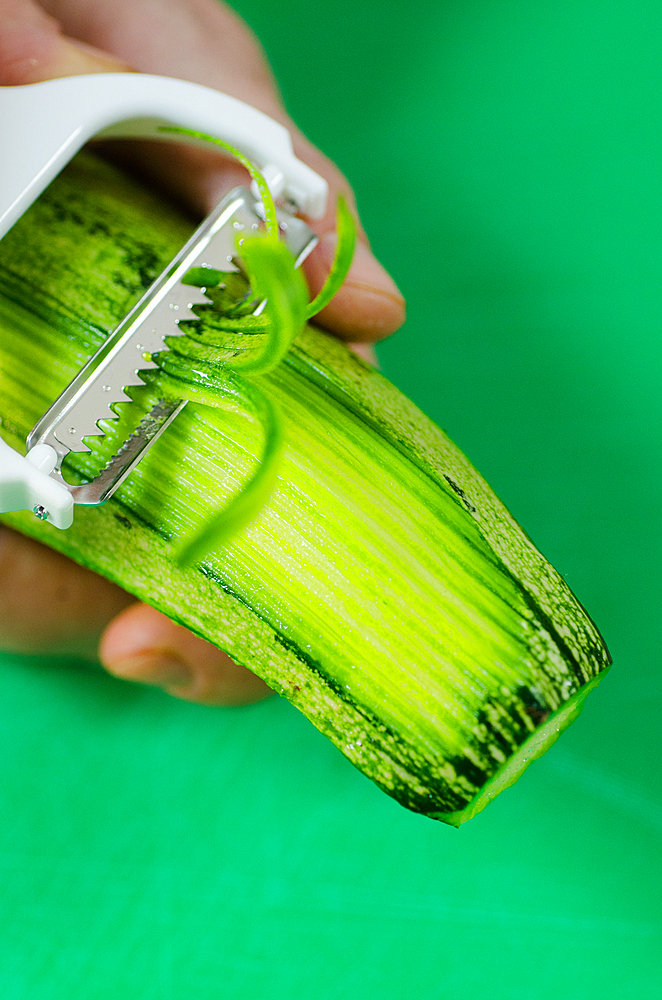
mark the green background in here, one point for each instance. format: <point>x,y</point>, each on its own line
<point>507,160</point>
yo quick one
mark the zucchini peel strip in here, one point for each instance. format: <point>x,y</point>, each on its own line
<point>273,277</point>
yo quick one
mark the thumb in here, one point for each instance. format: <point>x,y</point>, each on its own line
<point>33,49</point>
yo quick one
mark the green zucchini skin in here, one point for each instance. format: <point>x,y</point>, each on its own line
<point>384,589</point>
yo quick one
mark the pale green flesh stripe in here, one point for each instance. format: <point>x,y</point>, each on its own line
<point>395,602</point>
<point>378,402</point>
<point>341,477</point>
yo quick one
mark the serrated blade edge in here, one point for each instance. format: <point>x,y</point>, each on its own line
<point>120,359</point>
<point>125,355</point>
<point>124,366</point>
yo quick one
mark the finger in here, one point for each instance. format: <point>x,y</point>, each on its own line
<point>48,604</point>
<point>144,646</point>
<point>204,41</point>
<point>198,40</point>
<point>51,606</point>
<point>32,48</point>
<point>369,306</point>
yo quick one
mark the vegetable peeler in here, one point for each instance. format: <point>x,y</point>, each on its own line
<point>43,126</point>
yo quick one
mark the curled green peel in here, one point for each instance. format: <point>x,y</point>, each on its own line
<point>271,222</point>
<point>217,530</point>
<point>204,374</point>
<point>346,230</point>
<point>273,277</point>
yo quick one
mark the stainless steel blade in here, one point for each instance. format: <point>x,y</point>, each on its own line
<point>113,474</point>
<point>125,354</point>
<point>117,363</point>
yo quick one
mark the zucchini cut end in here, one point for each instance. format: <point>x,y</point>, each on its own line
<point>538,743</point>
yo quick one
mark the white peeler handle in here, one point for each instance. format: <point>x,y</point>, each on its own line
<point>25,484</point>
<point>43,125</point>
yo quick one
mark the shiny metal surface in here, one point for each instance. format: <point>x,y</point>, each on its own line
<point>122,358</point>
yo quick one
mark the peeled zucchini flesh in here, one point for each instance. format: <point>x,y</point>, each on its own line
<point>383,588</point>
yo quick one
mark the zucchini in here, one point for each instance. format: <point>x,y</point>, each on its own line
<point>382,588</point>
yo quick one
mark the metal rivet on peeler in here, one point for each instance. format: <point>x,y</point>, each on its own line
<point>40,512</point>
<point>72,430</point>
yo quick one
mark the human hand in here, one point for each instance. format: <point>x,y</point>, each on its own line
<point>203,41</point>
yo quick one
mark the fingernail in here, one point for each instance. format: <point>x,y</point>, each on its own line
<point>157,669</point>
<point>366,272</point>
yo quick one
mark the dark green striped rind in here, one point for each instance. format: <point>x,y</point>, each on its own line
<point>535,746</point>
<point>384,590</point>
